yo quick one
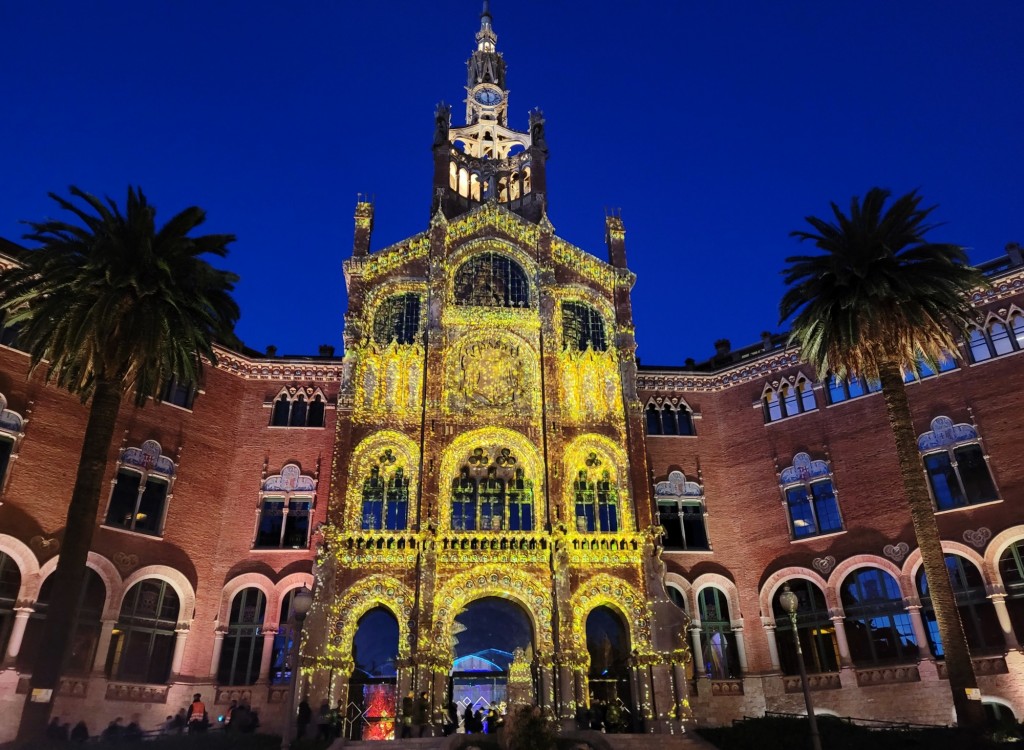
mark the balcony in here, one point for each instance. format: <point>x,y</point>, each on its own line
<point>509,547</point>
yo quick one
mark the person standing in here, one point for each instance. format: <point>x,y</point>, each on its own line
<point>421,715</point>
<point>305,715</point>
<point>408,705</point>
<point>196,716</point>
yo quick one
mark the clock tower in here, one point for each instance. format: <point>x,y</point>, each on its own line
<point>486,160</point>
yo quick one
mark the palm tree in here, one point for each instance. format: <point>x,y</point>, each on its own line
<point>881,298</point>
<point>107,305</point>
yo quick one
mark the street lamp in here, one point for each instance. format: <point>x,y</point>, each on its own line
<point>789,603</point>
<point>302,600</point>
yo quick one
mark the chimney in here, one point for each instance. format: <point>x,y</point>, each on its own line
<point>326,350</point>
<point>364,227</point>
<point>1013,250</point>
<point>723,347</point>
<point>615,238</point>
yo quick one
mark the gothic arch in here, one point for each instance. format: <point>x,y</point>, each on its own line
<point>502,581</point>
<point>588,296</point>
<point>175,579</point>
<point>369,453</point>
<point>108,573</point>
<point>346,610</point>
<point>235,585</point>
<point>611,457</point>
<point>492,440</point>
<point>679,583</point>
<point>604,590</point>
<point>461,253</point>
<point>776,580</point>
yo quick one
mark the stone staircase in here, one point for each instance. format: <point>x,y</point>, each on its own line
<point>594,740</point>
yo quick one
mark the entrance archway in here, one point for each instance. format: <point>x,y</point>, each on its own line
<point>611,699</point>
<point>373,687</point>
<point>492,641</point>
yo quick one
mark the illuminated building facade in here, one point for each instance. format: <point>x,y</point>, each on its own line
<point>489,446</point>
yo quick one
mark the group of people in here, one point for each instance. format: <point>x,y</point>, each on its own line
<point>330,722</point>
<point>415,715</point>
<point>480,721</point>
<point>604,716</point>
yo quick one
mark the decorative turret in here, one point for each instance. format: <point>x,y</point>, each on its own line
<point>485,160</point>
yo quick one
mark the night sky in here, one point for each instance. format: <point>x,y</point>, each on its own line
<point>714,127</point>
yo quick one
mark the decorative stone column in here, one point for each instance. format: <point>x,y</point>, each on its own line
<point>566,701</point>
<point>773,644</point>
<point>99,662</point>
<point>180,636</point>
<point>21,615</point>
<point>218,646</point>
<point>917,623</point>
<point>741,648</point>
<point>1003,615</point>
<point>269,633</point>
<point>698,652</point>
<point>844,645</point>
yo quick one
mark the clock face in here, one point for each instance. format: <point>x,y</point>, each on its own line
<point>487,97</point>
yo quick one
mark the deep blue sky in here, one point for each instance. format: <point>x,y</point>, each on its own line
<point>715,127</point>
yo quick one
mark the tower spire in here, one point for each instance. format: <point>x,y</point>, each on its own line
<point>486,39</point>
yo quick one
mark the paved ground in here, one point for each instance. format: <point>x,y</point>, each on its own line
<point>594,740</point>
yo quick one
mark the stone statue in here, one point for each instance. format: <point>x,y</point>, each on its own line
<point>442,121</point>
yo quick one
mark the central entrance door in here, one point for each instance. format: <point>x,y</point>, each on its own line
<point>489,634</point>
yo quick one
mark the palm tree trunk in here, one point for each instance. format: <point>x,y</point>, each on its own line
<point>970,713</point>
<point>69,577</point>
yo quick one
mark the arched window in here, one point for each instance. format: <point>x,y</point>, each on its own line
<point>283,651</point>
<point>788,399</point>
<point>877,626</point>
<point>179,393</point>
<point>1011,571</point>
<point>669,419</point>
<point>11,431</point>
<point>654,423</point>
<point>582,327</point>
<point>87,625</point>
<point>813,625</point>
<point>10,585</point>
<point>298,407</point>
<point>386,501</point>
<point>597,502</point>
<point>809,497</point>
<point>286,502</point>
<point>143,641</point>
<point>397,319</point>
<point>138,501</point>
<point>976,612</point>
<point>843,389</point>
<point>958,473</point>
<point>491,280</point>
<point>718,642</point>
<point>997,337</point>
<point>492,496</point>
<point>242,647</point>
<point>681,513</point>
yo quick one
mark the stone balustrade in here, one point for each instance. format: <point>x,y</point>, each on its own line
<point>493,546</point>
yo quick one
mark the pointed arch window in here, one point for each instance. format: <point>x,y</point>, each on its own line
<point>242,648</point>
<point>491,280</point>
<point>997,337</point>
<point>298,407</point>
<point>492,496</point>
<point>957,470</point>
<point>788,399</point>
<point>582,328</point>
<point>597,501</point>
<point>386,500</point>
<point>718,641</point>
<point>669,418</point>
<point>285,506</point>
<point>142,490</point>
<point>809,498</point>
<point>844,389</point>
<point>681,513</point>
<point>1011,573</point>
<point>397,319</point>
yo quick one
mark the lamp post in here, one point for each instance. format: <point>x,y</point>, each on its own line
<point>302,600</point>
<point>789,603</point>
